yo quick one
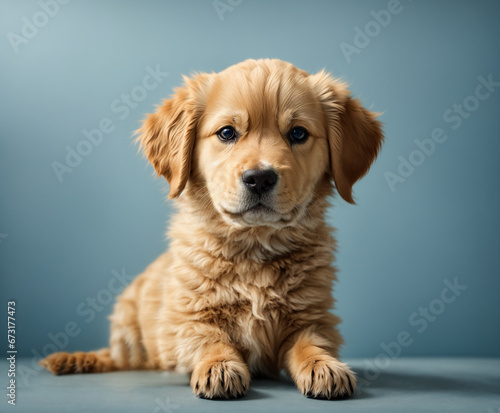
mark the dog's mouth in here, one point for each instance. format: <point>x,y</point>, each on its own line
<point>258,214</point>
<point>263,212</point>
<point>259,208</point>
<point>256,209</point>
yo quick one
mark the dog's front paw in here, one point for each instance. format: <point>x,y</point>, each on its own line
<point>220,379</point>
<point>325,377</point>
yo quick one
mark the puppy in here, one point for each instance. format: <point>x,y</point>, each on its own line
<point>251,155</point>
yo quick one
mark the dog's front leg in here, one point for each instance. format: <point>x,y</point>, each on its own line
<point>220,373</point>
<point>314,370</point>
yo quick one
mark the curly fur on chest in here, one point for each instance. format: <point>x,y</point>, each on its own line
<point>255,289</point>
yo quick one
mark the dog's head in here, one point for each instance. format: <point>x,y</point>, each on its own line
<point>259,138</point>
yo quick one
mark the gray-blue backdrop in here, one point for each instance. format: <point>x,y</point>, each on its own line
<point>80,212</point>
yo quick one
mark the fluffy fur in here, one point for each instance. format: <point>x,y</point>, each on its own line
<point>243,290</point>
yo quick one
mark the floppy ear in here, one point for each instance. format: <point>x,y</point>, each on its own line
<point>354,133</point>
<point>167,136</point>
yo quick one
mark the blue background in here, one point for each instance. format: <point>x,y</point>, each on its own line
<point>61,241</point>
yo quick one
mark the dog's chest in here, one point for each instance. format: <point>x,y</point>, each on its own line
<point>258,317</point>
<point>253,304</point>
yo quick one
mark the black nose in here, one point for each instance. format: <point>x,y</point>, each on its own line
<point>259,180</point>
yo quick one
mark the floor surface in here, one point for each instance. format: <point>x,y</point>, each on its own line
<point>401,385</point>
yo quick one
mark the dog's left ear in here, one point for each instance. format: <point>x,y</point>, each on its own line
<point>168,135</point>
<point>354,133</point>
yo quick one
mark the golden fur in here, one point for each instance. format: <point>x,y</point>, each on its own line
<point>243,292</point>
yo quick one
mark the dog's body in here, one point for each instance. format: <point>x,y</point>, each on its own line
<point>245,288</point>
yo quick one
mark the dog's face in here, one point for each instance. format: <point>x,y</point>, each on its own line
<point>260,137</point>
<point>262,145</point>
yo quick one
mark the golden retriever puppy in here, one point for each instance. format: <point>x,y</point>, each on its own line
<point>251,155</point>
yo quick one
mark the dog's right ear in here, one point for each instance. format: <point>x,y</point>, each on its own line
<point>167,136</point>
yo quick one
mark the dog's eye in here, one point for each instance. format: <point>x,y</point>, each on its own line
<point>298,135</point>
<point>227,133</point>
